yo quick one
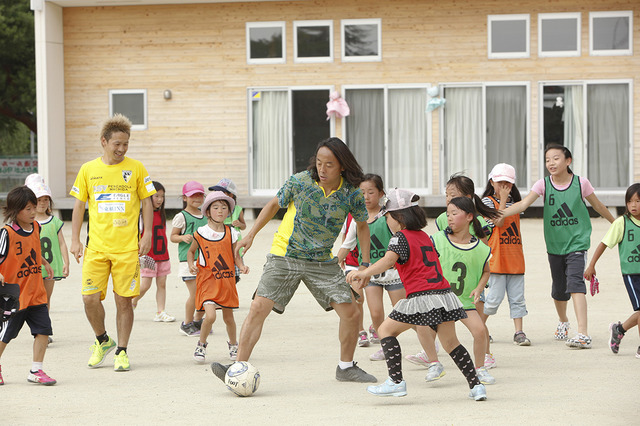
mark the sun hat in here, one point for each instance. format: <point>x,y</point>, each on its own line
<point>400,199</point>
<point>503,172</point>
<point>40,189</point>
<point>225,185</point>
<point>33,178</point>
<point>192,187</point>
<point>215,196</point>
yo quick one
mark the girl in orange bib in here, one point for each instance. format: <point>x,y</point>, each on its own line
<point>215,270</point>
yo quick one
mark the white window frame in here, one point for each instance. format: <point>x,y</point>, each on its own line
<point>269,24</point>
<point>318,59</point>
<point>142,92</point>
<point>385,87</point>
<point>585,160</point>
<point>612,52</point>
<point>480,185</point>
<point>371,58</point>
<point>560,53</point>
<point>509,55</point>
<point>289,89</point>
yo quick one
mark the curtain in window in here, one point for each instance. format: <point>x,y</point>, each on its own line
<point>608,134</point>
<point>408,167</point>
<point>507,130</point>
<point>574,126</point>
<point>271,135</point>
<point>365,128</point>
<point>463,147</point>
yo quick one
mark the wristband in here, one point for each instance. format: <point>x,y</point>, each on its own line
<point>365,264</point>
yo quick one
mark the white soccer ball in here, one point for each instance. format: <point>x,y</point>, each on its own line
<point>242,378</point>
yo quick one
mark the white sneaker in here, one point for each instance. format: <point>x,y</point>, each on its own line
<point>484,376</point>
<point>419,359</point>
<point>233,351</point>
<point>164,317</point>
<point>377,356</point>
<point>200,353</point>
<point>436,371</point>
<point>562,331</point>
<point>489,361</point>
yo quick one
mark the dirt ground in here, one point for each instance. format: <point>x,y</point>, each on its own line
<point>297,357</point>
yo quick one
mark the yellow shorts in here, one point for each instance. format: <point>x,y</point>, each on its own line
<point>124,269</point>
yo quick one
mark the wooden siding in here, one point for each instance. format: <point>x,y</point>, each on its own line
<point>198,52</point>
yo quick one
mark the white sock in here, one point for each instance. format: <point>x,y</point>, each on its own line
<point>345,364</point>
<point>35,366</point>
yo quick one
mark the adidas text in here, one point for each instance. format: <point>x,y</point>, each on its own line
<point>510,240</point>
<point>565,221</point>
<point>28,271</point>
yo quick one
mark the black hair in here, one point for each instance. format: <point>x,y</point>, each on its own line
<point>375,179</point>
<point>564,149</point>
<point>631,191</point>
<point>412,218</point>
<point>515,194</point>
<point>466,187</point>
<point>352,170</point>
<point>159,187</point>
<point>17,199</point>
<point>466,205</point>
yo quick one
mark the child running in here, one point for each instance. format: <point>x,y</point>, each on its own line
<point>507,257</point>
<point>21,262</point>
<point>185,224</point>
<point>567,233</point>
<point>160,265</point>
<point>430,302</point>
<point>215,270</point>
<point>465,264</point>
<point>623,233</point>
<point>372,188</point>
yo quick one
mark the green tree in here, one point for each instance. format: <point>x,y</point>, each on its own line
<point>17,76</point>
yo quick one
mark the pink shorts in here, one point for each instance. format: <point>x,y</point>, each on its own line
<point>162,269</point>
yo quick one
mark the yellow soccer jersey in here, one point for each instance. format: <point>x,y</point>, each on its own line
<point>114,194</point>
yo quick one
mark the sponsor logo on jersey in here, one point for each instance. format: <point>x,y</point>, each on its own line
<point>511,235</point>
<point>100,188</point>
<point>377,248</point>
<point>111,208</point>
<point>563,216</point>
<point>126,175</point>
<point>29,266</point>
<point>95,177</point>
<point>635,255</point>
<point>114,196</point>
<point>221,270</point>
<point>147,179</point>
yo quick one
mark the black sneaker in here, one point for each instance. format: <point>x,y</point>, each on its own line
<point>197,324</point>
<point>354,374</point>
<point>219,370</point>
<point>616,337</point>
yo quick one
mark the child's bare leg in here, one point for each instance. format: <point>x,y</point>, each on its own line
<point>632,321</point>
<point>483,317</point>
<point>207,322</point>
<point>48,286</point>
<point>145,285</point>
<point>375,304</point>
<point>190,304</point>
<point>561,309</point>
<point>427,338</point>
<point>459,354</point>
<point>39,347</point>
<point>395,295</point>
<point>230,322</point>
<point>517,323</point>
<point>161,293</point>
<point>580,308</point>
<point>2,346</point>
<point>478,331</point>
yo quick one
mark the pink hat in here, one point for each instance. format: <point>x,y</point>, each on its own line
<point>216,196</point>
<point>192,187</point>
<point>503,172</point>
<point>40,189</point>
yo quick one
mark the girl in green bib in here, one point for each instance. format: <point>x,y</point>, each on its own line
<point>567,233</point>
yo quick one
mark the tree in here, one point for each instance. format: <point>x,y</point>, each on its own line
<point>17,70</point>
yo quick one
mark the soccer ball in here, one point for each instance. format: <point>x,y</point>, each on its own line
<point>242,378</point>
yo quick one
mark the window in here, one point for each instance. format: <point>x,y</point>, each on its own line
<point>132,104</point>
<point>313,41</point>
<point>610,33</point>
<point>361,40</point>
<point>286,125</point>
<point>266,43</point>
<point>508,36</point>
<point>592,119</point>
<point>559,34</point>
<point>483,125</point>
<point>388,131</point>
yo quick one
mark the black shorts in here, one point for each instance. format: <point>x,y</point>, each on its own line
<point>567,274</point>
<point>632,283</point>
<point>37,317</point>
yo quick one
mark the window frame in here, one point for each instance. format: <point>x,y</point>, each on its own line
<point>370,58</point>
<point>560,53</point>
<point>428,189</point>
<point>509,55</point>
<point>266,24</point>
<point>585,160</point>
<point>444,174</point>
<point>313,23</point>
<point>611,14</point>
<point>142,92</point>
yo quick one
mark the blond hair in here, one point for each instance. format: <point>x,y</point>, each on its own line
<point>117,123</point>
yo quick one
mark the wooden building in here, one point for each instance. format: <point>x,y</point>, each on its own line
<point>238,89</point>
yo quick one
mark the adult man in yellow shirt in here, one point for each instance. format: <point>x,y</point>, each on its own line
<point>115,187</point>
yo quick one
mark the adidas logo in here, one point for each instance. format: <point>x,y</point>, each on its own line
<point>377,248</point>
<point>511,235</point>
<point>29,266</point>
<point>221,270</point>
<point>563,217</point>
<point>635,255</point>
